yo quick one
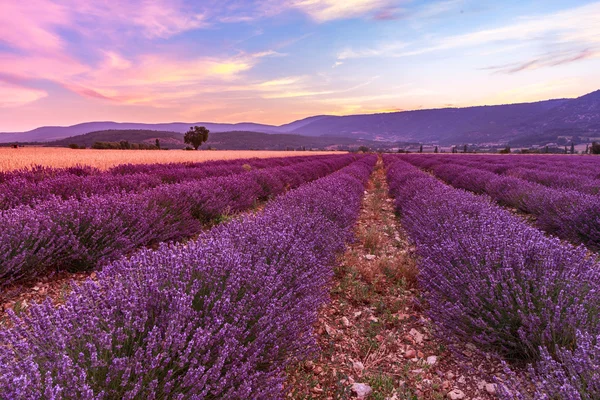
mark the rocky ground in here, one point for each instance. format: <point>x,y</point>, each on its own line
<point>375,338</point>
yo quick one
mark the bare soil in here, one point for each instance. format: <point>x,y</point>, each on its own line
<point>375,330</point>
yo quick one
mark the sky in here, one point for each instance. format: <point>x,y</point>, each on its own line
<point>64,62</point>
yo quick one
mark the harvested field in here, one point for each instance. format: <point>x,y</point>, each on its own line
<point>25,157</point>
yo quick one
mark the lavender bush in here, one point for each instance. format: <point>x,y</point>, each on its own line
<point>488,277</point>
<point>219,317</point>
<point>568,214</point>
<point>82,234</point>
<point>31,186</point>
<point>568,375</point>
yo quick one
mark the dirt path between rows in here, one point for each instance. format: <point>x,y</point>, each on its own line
<point>376,340</point>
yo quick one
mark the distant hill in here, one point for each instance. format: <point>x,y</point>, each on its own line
<point>51,133</point>
<point>526,123</point>
<point>282,141</point>
<point>167,139</point>
<point>448,125</point>
<point>236,140</point>
<point>577,117</point>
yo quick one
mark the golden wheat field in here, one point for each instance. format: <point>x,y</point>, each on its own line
<point>25,157</point>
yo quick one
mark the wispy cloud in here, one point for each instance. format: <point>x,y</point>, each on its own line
<point>546,60</point>
<point>381,49</point>
<point>13,95</point>
<point>35,25</point>
<point>576,32</point>
<point>328,10</point>
<point>31,25</point>
<point>154,78</point>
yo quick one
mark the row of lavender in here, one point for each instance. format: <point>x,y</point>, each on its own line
<point>575,173</point>
<point>30,186</point>
<point>568,214</point>
<point>219,317</point>
<point>492,280</point>
<point>80,234</point>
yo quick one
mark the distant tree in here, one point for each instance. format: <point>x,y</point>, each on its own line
<point>454,150</point>
<point>465,149</point>
<point>566,149</point>
<point>364,149</point>
<point>572,148</point>
<point>157,143</point>
<point>436,149</point>
<point>546,149</point>
<point>505,150</point>
<point>196,136</point>
<point>587,148</point>
<point>73,146</point>
<point>420,148</point>
<point>595,148</point>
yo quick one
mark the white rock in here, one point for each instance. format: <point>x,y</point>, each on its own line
<point>431,360</point>
<point>418,336</point>
<point>358,367</point>
<point>345,322</point>
<point>490,388</point>
<point>462,380</point>
<point>330,331</point>
<point>370,256</point>
<point>456,394</point>
<point>361,389</point>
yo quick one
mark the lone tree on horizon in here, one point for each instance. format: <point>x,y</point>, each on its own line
<point>196,136</point>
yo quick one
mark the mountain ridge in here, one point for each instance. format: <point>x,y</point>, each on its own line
<point>533,122</point>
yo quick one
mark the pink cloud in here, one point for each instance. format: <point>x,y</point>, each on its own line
<point>158,18</point>
<point>29,25</point>
<point>56,68</point>
<point>33,25</point>
<point>13,95</point>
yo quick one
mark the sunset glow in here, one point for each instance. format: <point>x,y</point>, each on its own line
<point>273,61</point>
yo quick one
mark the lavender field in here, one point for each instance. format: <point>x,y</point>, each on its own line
<point>330,276</point>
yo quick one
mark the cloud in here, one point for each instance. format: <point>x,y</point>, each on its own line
<point>36,25</point>
<point>157,79</point>
<point>30,25</point>
<point>41,67</point>
<point>382,49</point>
<point>13,95</point>
<point>547,60</point>
<point>280,82</point>
<point>576,29</point>
<point>153,19</point>
<point>328,10</point>
<point>306,88</point>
